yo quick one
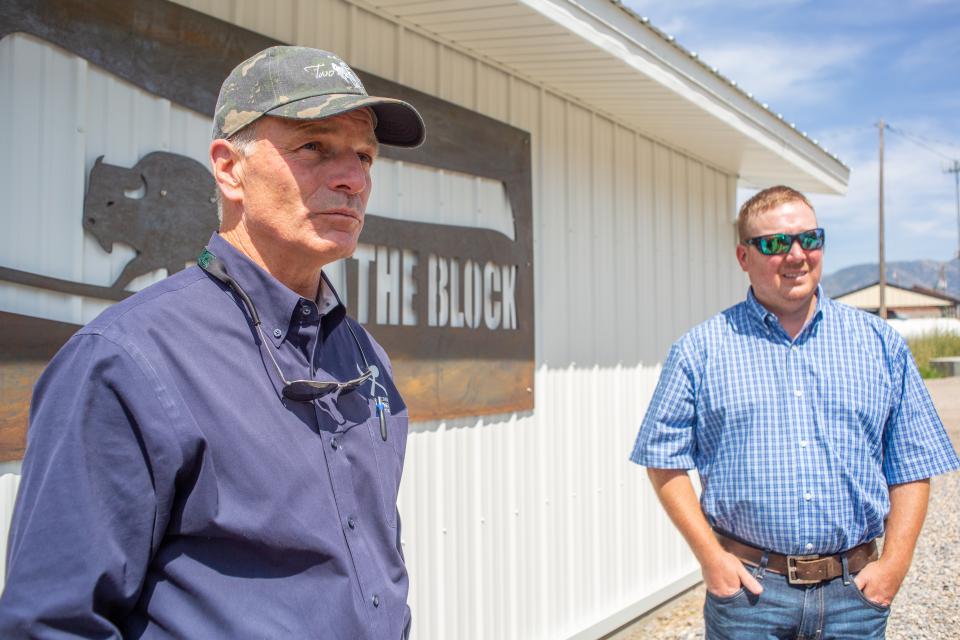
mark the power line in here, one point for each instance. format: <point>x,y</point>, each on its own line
<point>943,143</point>
<point>921,142</point>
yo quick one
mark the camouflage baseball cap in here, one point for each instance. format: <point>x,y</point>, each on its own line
<point>307,84</point>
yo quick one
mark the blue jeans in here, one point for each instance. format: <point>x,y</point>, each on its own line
<point>828,610</point>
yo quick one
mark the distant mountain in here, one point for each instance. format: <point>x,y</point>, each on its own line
<point>925,273</point>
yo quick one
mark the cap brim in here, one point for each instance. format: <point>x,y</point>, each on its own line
<point>398,123</point>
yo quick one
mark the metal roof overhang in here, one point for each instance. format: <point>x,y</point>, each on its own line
<point>601,55</point>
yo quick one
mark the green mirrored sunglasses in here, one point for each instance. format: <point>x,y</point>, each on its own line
<point>780,243</point>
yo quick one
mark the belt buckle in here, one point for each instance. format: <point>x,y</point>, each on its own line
<point>792,570</point>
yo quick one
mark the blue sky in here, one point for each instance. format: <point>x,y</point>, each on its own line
<point>836,68</point>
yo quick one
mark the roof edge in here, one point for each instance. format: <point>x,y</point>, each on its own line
<point>621,32</point>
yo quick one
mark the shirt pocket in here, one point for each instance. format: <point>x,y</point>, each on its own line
<point>389,465</point>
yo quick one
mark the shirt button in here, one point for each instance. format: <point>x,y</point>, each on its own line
<point>277,333</point>
<point>376,600</point>
<point>809,546</point>
<point>305,310</point>
<point>808,496</point>
<point>335,443</point>
<point>351,522</point>
<point>797,392</point>
<point>803,443</point>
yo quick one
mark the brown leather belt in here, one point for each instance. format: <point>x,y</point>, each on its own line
<point>803,569</point>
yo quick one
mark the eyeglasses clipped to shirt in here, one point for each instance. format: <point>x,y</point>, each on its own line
<point>301,390</point>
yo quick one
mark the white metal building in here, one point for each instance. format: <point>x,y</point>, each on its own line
<point>529,525</point>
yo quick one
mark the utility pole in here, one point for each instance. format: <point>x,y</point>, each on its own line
<point>955,170</point>
<point>882,311</point>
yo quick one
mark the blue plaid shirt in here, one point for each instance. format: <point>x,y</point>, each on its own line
<point>795,441</point>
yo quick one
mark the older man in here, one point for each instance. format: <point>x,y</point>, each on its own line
<point>813,435</point>
<point>218,456</point>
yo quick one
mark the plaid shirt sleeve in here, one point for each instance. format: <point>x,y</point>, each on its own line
<point>915,444</point>
<point>666,437</point>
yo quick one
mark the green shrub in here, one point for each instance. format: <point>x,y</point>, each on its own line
<point>933,345</point>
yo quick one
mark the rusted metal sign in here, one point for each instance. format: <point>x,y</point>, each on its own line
<point>452,305</point>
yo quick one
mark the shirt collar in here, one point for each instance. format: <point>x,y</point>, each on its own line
<point>821,308</point>
<point>276,303</point>
<point>328,300</point>
<point>759,312</point>
<point>767,318</point>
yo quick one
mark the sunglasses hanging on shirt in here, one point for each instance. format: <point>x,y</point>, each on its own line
<point>300,390</point>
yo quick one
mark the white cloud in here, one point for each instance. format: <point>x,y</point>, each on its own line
<point>681,6</point>
<point>779,68</point>
<point>923,4</point>
<point>830,74</point>
<point>924,228</point>
<point>786,72</point>
<point>674,17</point>
<point>919,207</point>
<point>929,53</point>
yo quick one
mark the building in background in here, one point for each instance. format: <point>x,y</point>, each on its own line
<point>904,303</point>
<point>600,157</point>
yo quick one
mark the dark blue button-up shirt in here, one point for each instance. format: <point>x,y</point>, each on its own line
<point>168,490</point>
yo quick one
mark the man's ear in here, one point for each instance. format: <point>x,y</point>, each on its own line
<point>742,255</point>
<point>227,169</point>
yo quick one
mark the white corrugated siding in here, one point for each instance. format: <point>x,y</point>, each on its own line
<point>531,525</point>
<point>8,493</point>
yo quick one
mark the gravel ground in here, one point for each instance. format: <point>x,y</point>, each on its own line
<point>928,605</point>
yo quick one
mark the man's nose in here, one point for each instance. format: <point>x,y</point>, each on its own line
<point>796,251</point>
<point>350,174</point>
